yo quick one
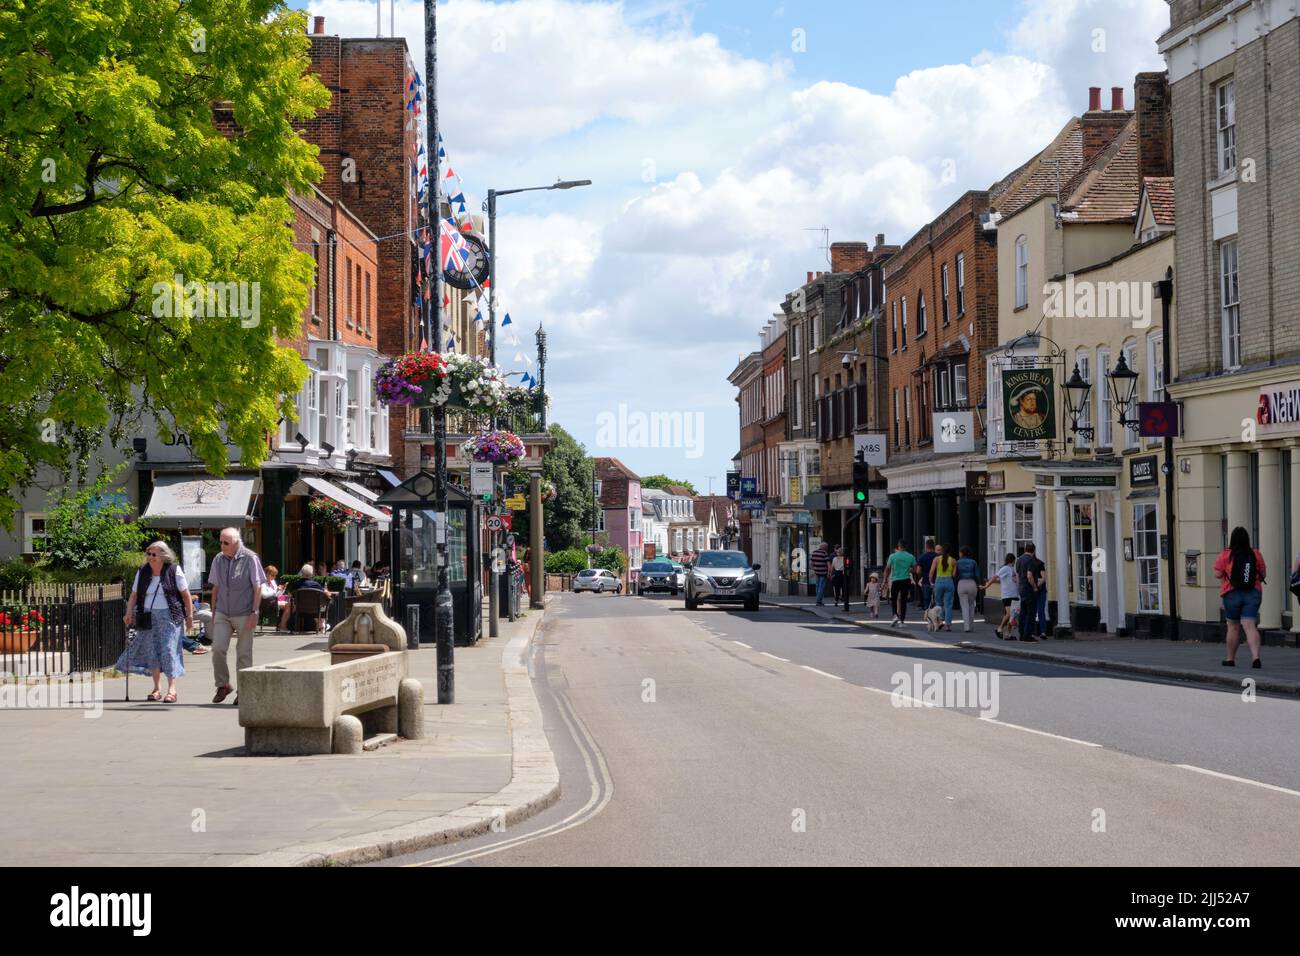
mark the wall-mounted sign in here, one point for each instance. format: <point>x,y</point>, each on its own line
<point>1192,567</point>
<point>1143,471</point>
<point>1027,401</point>
<point>1278,408</point>
<point>748,487</point>
<point>1128,549</point>
<point>1158,419</point>
<point>751,504</point>
<point>733,484</point>
<point>480,479</point>
<point>997,481</point>
<point>648,552</point>
<point>977,484</point>
<point>1088,481</point>
<point>516,503</point>
<point>869,449</point>
<point>953,432</point>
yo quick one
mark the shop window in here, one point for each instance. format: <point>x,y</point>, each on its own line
<point>1081,544</point>
<point>1146,551</point>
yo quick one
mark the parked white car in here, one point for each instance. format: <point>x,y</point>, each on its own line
<point>598,580</point>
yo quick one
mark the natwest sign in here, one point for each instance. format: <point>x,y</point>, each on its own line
<point>1279,407</point>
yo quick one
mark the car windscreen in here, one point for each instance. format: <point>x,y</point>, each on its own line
<point>722,559</point>
<point>587,573</point>
<point>657,566</point>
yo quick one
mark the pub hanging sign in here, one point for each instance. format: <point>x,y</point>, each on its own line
<point>1027,401</point>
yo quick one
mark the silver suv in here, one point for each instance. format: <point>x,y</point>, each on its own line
<point>722,577</point>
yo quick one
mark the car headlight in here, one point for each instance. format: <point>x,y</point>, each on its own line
<point>699,579</point>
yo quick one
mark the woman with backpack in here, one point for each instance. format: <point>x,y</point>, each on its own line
<point>1241,569</point>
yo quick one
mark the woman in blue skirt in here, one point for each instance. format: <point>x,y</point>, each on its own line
<point>163,596</point>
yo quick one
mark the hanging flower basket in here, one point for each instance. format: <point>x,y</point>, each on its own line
<point>332,515</point>
<point>549,492</point>
<point>429,380</point>
<point>416,378</point>
<point>498,447</point>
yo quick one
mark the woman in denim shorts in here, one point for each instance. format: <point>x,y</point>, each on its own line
<point>1241,604</point>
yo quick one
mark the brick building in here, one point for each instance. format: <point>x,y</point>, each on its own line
<point>619,515</point>
<point>1234,74</point>
<point>747,378</point>
<point>940,319</point>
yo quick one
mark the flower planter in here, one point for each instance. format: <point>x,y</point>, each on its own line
<point>429,398</point>
<point>18,641</point>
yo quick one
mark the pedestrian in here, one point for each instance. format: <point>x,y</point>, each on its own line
<point>900,566</point>
<point>1028,583</point>
<point>820,565</point>
<point>968,587</point>
<point>846,577</point>
<point>926,560</point>
<point>1042,628</point>
<point>942,569</point>
<point>873,596</point>
<point>166,605</point>
<point>236,577</point>
<point>1005,576</point>
<point>1242,571</point>
<point>838,576</point>
<point>916,579</point>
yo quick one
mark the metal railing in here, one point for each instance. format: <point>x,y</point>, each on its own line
<point>60,629</point>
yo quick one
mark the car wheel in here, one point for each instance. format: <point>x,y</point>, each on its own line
<point>674,592</point>
<point>751,605</point>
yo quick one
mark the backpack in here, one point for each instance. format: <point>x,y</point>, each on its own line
<point>1243,572</point>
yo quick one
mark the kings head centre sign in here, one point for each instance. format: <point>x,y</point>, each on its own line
<point>1027,402</point>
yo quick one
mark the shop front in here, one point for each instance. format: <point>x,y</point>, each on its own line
<point>1238,465</point>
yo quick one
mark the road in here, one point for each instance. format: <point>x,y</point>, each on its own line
<point>724,737</point>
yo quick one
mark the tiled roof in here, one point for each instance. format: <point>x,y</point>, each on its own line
<point>1109,190</point>
<point>679,490</point>
<point>702,506</point>
<point>1160,193</point>
<point>612,467</point>
<point>1040,176</point>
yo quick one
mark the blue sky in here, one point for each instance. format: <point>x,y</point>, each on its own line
<point>714,140</point>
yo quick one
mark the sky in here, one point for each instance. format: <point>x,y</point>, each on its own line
<point>720,136</point>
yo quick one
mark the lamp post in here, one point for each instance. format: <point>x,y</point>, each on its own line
<point>1165,290</point>
<point>492,195</point>
<point>443,622</point>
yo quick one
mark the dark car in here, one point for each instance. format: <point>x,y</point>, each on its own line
<point>659,576</point>
<point>722,577</point>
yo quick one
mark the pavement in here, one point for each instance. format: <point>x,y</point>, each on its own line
<point>1155,657</point>
<point>156,784</point>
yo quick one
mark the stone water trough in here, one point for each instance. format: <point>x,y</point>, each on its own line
<point>331,701</point>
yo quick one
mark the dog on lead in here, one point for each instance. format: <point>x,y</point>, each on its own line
<point>933,618</point>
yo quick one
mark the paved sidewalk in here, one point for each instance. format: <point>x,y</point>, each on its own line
<point>157,784</point>
<point>1177,660</point>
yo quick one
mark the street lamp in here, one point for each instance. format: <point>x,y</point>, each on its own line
<point>1076,398</point>
<point>1123,385</point>
<point>492,356</point>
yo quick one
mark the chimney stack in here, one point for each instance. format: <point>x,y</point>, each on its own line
<point>1154,118</point>
<point>318,26</point>
<point>880,239</point>
<point>1117,97</point>
<point>809,278</point>
<point>1100,127</point>
<point>849,256</point>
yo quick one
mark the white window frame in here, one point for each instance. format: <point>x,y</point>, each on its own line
<point>947,305</point>
<point>1230,303</point>
<point>1022,272</point>
<point>794,341</point>
<point>1083,358</point>
<point>29,532</point>
<point>961,284</point>
<point>1106,422</point>
<point>1155,376</point>
<point>920,315</point>
<point>796,407</point>
<point>961,383</point>
<point>1130,358</point>
<point>1146,555</point>
<point>903,337</point>
<point>1225,125</point>
<point>1085,591</point>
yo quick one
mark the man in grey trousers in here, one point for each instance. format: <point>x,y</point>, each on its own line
<point>236,578</point>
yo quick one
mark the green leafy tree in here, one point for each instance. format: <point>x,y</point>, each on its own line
<point>564,519</point>
<point>612,559</point>
<point>662,482</point>
<point>568,561</point>
<point>90,530</point>
<point>141,141</point>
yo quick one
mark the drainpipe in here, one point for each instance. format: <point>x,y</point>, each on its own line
<point>1165,289</point>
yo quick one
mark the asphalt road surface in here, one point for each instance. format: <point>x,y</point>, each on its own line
<point>727,737</point>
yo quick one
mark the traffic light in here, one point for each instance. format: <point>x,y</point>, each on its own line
<point>861,475</point>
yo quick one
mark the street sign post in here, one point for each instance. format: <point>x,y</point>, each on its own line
<point>480,479</point>
<point>516,503</point>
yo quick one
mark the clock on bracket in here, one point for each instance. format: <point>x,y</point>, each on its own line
<point>476,268</point>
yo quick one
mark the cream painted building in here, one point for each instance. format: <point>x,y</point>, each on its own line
<point>1085,230</point>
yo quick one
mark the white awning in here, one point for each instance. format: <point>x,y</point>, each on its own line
<point>199,501</point>
<point>361,491</point>
<point>321,486</point>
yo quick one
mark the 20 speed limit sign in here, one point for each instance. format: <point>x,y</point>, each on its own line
<point>494,523</point>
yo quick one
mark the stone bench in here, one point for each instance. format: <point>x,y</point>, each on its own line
<point>329,701</point>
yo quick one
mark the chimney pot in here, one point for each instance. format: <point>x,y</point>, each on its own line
<point>1117,97</point>
<point>1094,97</point>
<point>880,238</point>
<point>809,277</point>
<point>318,26</point>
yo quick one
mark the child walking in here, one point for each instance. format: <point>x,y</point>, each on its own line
<point>873,595</point>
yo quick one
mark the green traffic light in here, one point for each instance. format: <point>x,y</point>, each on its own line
<point>859,496</point>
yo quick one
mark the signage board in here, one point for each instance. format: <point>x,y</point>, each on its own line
<point>869,449</point>
<point>516,503</point>
<point>1158,419</point>
<point>977,484</point>
<point>953,432</point>
<point>751,504</point>
<point>193,561</point>
<point>1143,471</point>
<point>1087,481</point>
<point>997,481</point>
<point>480,479</point>
<point>1029,412</point>
<point>494,523</point>
<point>1278,407</point>
<point>649,551</point>
<point>733,484</point>
<point>748,487</point>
